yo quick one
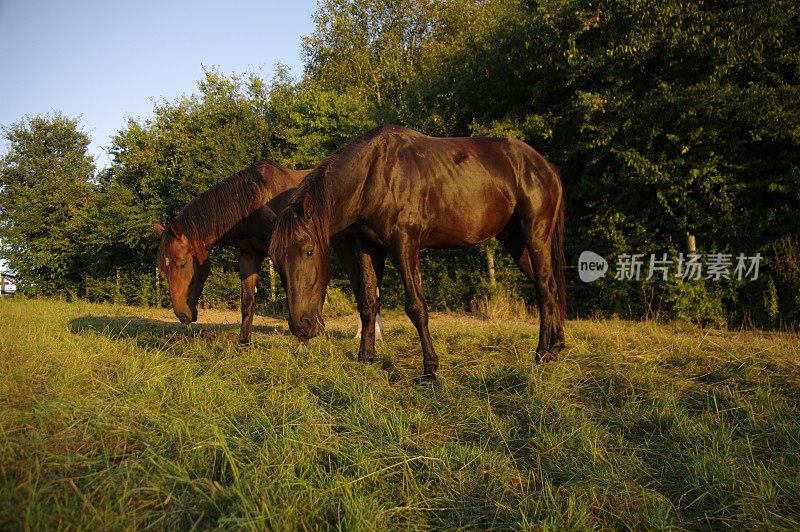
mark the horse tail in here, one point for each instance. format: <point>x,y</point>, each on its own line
<point>557,259</point>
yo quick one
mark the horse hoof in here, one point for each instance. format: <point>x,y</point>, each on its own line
<point>426,381</point>
<point>546,357</point>
<point>244,344</point>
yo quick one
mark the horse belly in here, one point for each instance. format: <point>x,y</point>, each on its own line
<point>464,221</point>
<point>367,236</point>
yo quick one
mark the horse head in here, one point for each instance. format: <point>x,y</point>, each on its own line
<point>299,246</point>
<point>186,265</point>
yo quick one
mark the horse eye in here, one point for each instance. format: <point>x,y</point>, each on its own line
<point>183,265</point>
<point>309,252</point>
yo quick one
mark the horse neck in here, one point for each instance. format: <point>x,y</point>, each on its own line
<point>214,232</point>
<point>344,189</point>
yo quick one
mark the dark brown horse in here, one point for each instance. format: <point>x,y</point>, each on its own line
<point>239,210</point>
<point>395,189</point>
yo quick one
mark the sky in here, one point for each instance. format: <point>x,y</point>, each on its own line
<point>103,62</point>
<point>106,61</point>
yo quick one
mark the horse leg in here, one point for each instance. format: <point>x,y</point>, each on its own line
<point>378,320</point>
<point>532,256</point>
<point>551,335</point>
<point>370,263</point>
<point>249,266</point>
<point>358,324</point>
<point>345,248</point>
<point>408,262</point>
<point>379,261</point>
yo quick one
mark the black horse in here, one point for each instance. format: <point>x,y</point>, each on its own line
<point>395,189</point>
<point>240,210</point>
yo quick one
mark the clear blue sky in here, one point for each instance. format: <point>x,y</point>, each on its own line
<point>105,61</point>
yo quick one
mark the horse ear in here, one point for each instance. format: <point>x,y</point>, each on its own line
<point>307,205</point>
<point>176,228</point>
<point>270,214</point>
<point>158,228</point>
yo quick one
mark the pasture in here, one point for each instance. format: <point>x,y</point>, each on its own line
<point>121,418</point>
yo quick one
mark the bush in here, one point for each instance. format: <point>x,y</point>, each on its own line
<point>694,302</point>
<point>222,290</point>
<point>782,297</point>
<point>500,302</point>
<point>338,302</point>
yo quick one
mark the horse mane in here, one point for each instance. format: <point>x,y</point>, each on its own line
<point>214,212</point>
<point>315,189</point>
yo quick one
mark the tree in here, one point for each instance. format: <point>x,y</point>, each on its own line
<point>46,193</point>
<point>664,116</point>
<point>307,123</point>
<point>192,143</point>
<point>373,49</point>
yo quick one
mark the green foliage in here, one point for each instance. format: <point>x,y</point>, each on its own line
<point>374,48</point>
<point>222,290</point>
<point>782,298</point>
<point>191,144</point>
<point>46,193</point>
<point>664,117</point>
<point>696,302</point>
<point>307,123</point>
<point>339,302</point>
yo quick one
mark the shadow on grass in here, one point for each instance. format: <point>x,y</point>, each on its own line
<point>149,332</point>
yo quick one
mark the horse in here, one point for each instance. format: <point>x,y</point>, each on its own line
<point>397,190</point>
<point>239,209</point>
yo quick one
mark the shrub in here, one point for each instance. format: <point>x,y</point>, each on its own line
<point>500,302</point>
<point>694,302</point>
<point>338,302</point>
<point>222,290</point>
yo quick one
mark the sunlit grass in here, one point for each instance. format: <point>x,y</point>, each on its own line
<point>115,417</point>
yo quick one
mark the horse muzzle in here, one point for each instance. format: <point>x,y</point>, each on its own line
<point>187,317</point>
<point>306,328</point>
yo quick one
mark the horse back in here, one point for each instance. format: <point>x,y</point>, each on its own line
<point>252,234</point>
<point>452,192</point>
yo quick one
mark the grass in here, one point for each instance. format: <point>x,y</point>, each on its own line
<point>120,418</point>
<point>501,306</point>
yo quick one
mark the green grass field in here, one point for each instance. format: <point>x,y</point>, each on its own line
<point>121,418</point>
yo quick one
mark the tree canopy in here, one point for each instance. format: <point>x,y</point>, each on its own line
<point>46,203</point>
<point>664,117</point>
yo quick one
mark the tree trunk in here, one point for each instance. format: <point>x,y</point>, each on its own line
<point>272,281</point>
<point>490,264</point>
<point>691,244</point>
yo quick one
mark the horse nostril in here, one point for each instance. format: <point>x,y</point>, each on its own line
<point>307,323</point>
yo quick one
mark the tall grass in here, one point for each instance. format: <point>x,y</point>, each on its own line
<point>116,417</point>
<point>501,304</point>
